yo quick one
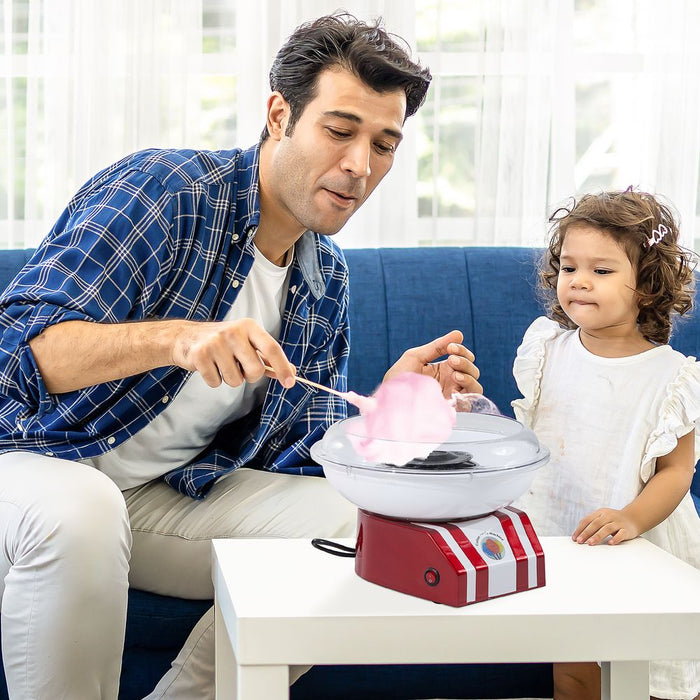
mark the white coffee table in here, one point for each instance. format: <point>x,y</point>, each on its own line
<point>282,602</point>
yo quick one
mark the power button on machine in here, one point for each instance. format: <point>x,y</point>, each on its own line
<point>431,577</point>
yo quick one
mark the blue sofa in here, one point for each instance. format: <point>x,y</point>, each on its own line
<point>399,298</point>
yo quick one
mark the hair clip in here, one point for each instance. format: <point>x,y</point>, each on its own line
<point>656,235</point>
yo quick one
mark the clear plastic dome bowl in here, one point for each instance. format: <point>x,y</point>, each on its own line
<point>486,463</point>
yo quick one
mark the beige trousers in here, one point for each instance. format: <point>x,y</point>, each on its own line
<point>67,534</point>
<point>171,552</point>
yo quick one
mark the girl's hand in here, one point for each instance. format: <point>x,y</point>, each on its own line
<point>456,374</point>
<point>604,522</point>
<point>657,500</point>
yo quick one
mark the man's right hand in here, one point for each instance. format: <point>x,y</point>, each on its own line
<point>232,352</point>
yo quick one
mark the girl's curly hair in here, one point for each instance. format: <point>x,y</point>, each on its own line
<point>664,271</point>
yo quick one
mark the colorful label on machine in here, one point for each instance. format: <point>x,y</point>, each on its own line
<point>499,552</point>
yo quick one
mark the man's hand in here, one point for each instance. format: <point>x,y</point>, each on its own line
<point>232,352</point>
<point>604,522</point>
<point>457,373</point>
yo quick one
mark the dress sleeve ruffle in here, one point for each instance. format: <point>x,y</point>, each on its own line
<point>529,365</point>
<point>680,413</point>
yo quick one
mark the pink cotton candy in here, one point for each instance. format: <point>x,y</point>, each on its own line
<point>406,418</point>
<point>366,404</point>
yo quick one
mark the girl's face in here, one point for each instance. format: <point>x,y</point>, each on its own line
<point>596,285</point>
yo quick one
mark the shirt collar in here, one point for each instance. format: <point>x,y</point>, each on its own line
<point>307,255</point>
<point>247,191</point>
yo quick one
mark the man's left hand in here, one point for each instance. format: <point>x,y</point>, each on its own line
<point>456,374</point>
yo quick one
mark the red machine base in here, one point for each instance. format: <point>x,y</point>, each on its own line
<point>455,562</point>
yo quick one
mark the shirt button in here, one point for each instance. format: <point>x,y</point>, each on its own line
<point>293,289</point>
<point>235,237</point>
<point>165,399</point>
<point>49,454</point>
<point>235,284</point>
<point>111,440</point>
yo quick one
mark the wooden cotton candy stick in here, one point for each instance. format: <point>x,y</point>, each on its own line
<point>364,403</point>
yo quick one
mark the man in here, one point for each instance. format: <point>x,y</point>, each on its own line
<point>132,355</point>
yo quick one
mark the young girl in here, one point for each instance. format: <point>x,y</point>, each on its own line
<point>616,405</point>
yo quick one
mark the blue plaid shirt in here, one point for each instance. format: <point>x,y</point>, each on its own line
<point>163,234</point>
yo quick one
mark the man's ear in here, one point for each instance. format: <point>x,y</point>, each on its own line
<point>277,115</point>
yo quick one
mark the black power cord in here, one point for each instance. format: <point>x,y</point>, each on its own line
<point>335,548</point>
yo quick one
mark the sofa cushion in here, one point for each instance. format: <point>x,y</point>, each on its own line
<point>402,297</point>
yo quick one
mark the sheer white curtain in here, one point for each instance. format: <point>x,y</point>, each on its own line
<point>98,80</point>
<point>517,65</point>
<point>104,79</point>
<point>653,135</point>
<point>669,108</point>
<point>571,97</point>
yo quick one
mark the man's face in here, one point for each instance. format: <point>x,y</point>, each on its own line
<point>339,150</point>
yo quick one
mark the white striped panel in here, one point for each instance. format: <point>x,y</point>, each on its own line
<point>527,546</point>
<point>459,553</point>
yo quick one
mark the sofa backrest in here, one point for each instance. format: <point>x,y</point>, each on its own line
<point>11,262</point>
<point>403,297</point>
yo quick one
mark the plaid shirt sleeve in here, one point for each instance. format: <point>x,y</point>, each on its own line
<point>103,261</point>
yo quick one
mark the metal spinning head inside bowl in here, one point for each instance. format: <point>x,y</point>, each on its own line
<point>442,460</point>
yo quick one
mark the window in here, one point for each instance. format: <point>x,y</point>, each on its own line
<point>532,101</point>
<point>535,101</point>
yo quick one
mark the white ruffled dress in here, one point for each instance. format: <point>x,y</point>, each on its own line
<point>605,422</point>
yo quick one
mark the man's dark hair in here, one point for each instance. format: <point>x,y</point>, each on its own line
<point>366,50</point>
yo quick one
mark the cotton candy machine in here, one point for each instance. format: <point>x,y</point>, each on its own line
<point>440,526</point>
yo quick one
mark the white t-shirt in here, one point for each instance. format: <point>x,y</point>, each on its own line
<point>194,416</point>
